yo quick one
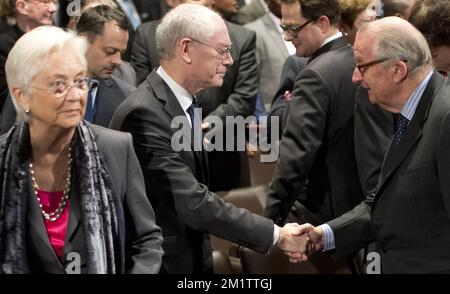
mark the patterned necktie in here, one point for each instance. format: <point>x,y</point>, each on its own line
<point>401,128</point>
<point>90,104</point>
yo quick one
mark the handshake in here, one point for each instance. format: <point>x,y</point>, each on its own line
<point>300,241</point>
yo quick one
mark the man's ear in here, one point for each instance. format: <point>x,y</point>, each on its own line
<point>324,23</point>
<point>21,98</point>
<point>21,7</point>
<point>400,71</point>
<point>185,48</point>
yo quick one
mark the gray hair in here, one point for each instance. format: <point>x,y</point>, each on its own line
<point>184,21</point>
<point>30,53</point>
<point>396,38</point>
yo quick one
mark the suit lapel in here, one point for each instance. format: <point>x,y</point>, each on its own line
<point>106,101</point>
<point>74,221</point>
<point>333,45</point>
<point>38,231</point>
<point>171,104</point>
<point>397,153</point>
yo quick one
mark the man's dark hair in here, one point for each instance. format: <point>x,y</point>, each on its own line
<point>313,9</point>
<point>432,19</point>
<point>93,20</point>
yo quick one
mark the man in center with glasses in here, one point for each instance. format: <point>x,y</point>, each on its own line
<point>194,49</point>
<point>316,177</point>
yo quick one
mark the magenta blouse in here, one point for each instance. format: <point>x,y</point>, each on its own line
<point>56,230</point>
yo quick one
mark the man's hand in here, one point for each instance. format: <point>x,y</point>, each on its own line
<point>315,236</point>
<point>292,240</point>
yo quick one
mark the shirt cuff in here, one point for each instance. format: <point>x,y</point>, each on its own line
<point>328,238</point>
<point>276,234</point>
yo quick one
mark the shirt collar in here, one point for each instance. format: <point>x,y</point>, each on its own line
<point>183,97</point>
<point>331,38</point>
<point>410,106</point>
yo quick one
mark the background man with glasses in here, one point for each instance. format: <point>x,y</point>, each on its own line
<point>316,178</point>
<point>408,216</point>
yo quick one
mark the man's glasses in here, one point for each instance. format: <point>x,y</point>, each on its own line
<point>363,67</point>
<point>61,88</point>
<point>294,30</point>
<point>223,52</point>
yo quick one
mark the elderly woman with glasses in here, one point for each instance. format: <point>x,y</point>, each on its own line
<point>72,195</point>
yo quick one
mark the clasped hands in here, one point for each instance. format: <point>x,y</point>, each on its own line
<point>300,241</point>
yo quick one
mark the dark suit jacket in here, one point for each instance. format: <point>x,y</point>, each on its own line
<point>4,26</point>
<point>110,94</point>
<point>236,96</point>
<point>7,41</point>
<point>291,68</point>
<point>317,164</point>
<point>186,211</point>
<point>143,238</point>
<point>409,216</point>
<point>374,128</point>
<point>126,73</point>
<point>150,10</point>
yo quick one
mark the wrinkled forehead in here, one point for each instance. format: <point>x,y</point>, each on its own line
<point>364,43</point>
<point>60,59</point>
<point>221,35</point>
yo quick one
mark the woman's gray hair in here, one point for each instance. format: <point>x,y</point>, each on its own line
<point>404,42</point>
<point>185,21</point>
<point>30,54</point>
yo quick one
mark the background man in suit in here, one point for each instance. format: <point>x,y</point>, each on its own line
<point>316,176</point>
<point>106,30</point>
<point>318,137</point>
<point>124,70</point>
<point>409,215</point>
<point>194,47</point>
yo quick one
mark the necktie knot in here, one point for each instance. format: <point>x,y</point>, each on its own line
<point>401,128</point>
